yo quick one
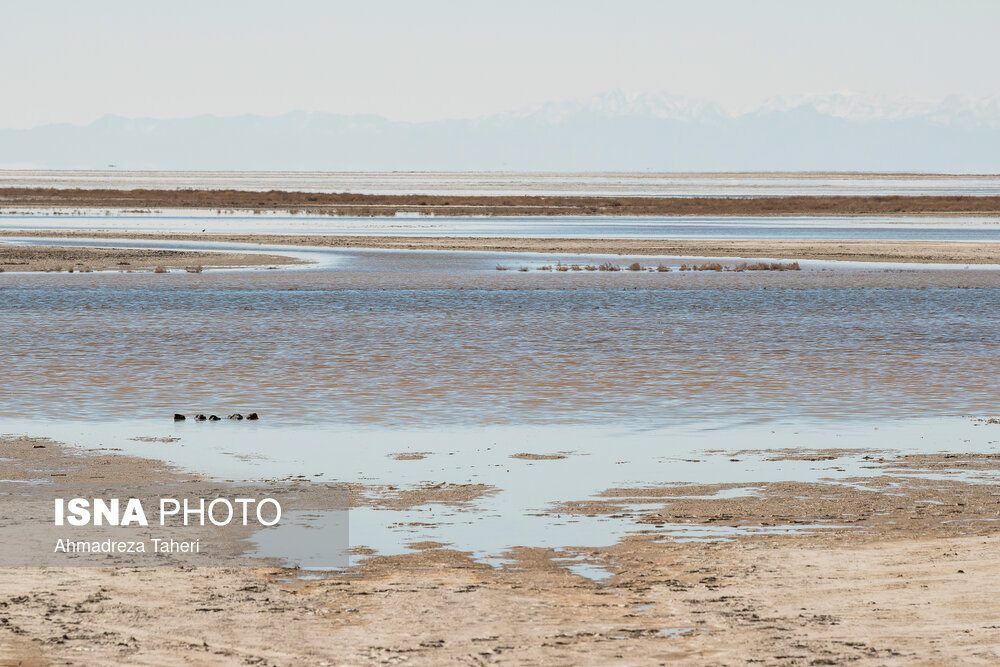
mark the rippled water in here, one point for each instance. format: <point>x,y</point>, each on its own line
<point>375,341</point>
<point>635,378</point>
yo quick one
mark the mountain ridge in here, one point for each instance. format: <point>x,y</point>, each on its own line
<point>614,131</point>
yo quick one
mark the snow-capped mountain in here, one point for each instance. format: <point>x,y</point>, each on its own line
<point>611,131</point>
<point>954,109</point>
<point>617,103</point>
<point>961,109</point>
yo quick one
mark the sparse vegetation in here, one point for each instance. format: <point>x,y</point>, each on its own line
<point>662,268</point>
<point>708,266</point>
<point>767,266</point>
<point>388,205</point>
<point>739,268</point>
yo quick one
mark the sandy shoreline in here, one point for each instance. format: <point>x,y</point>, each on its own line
<point>933,252</point>
<point>82,259</point>
<point>377,205</point>
<point>898,575</point>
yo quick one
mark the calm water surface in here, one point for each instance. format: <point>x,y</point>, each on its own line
<point>898,228</point>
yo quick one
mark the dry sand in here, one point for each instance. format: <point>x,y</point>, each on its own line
<point>82,259</point>
<point>934,252</point>
<point>502,205</point>
<point>903,572</point>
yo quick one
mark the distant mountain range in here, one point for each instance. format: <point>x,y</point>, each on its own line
<point>609,132</point>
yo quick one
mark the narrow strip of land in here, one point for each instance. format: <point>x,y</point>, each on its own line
<point>930,252</point>
<point>14,258</point>
<point>373,205</point>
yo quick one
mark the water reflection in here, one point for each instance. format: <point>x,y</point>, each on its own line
<point>523,508</point>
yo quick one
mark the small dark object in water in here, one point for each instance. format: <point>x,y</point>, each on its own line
<point>236,416</point>
<point>214,418</point>
<point>200,418</point>
<point>178,417</point>
<point>252,415</point>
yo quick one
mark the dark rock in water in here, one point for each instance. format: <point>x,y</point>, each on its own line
<point>214,418</point>
<point>236,415</point>
<point>178,417</point>
<point>200,418</point>
<point>252,415</point>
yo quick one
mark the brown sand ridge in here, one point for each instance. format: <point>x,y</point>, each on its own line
<point>932,252</point>
<point>55,258</point>
<point>893,569</point>
<point>366,205</point>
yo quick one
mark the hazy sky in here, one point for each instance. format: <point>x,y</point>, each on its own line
<point>419,60</point>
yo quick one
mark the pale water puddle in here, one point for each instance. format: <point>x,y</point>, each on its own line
<point>521,510</point>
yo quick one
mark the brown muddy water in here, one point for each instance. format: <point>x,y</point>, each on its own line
<point>425,339</point>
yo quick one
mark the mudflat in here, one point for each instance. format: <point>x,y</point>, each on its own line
<point>893,568</point>
<point>15,258</point>
<point>372,205</point>
<point>933,252</point>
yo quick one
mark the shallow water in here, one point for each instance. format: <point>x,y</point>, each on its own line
<point>639,379</point>
<point>523,509</point>
<point>353,344</point>
<point>619,227</point>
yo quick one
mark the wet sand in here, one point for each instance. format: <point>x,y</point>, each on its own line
<point>375,205</point>
<point>900,573</point>
<point>933,252</point>
<point>15,258</point>
<point>894,568</point>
